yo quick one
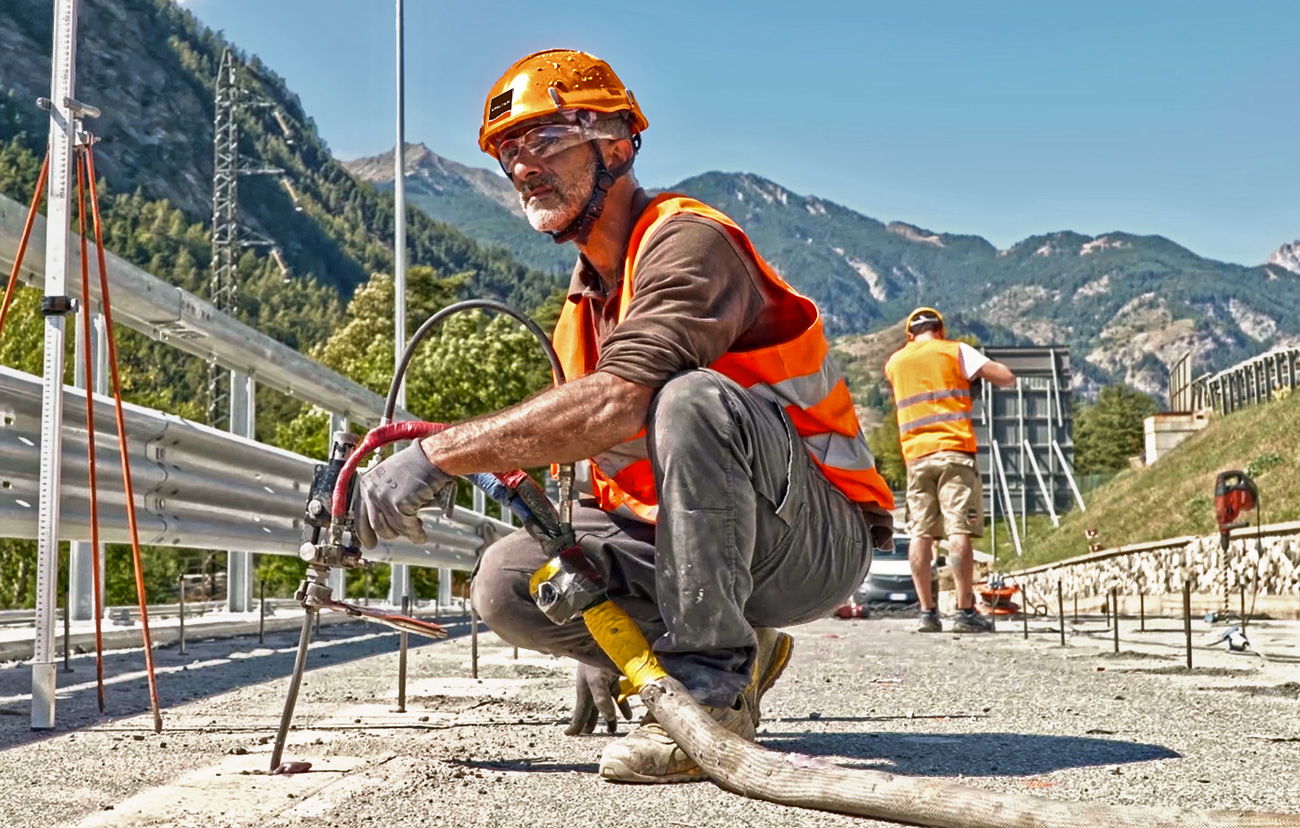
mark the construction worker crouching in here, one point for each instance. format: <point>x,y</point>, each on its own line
<point>733,491</point>
<point>931,377</point>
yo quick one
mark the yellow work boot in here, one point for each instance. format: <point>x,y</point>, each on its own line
<point>774,651</point>
<point>648,755</point>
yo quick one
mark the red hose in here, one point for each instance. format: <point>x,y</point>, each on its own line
<point>22,243</point>
<point>374,439</point>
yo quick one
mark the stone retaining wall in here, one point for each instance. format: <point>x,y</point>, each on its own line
<point>1271,561</point>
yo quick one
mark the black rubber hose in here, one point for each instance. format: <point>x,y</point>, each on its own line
<point>390,405</point>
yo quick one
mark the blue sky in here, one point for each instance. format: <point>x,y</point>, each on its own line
<point>1000,118</point>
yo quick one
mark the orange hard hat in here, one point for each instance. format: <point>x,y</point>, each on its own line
<point>924,314</point>
<point>552,81</point>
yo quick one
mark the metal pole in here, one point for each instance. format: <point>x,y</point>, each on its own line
<point>62,127</point>
<point>1024,612</point>
<point>1187,620</point>
<point>1069,476</point>
<point>1060,609</point>
<point>1020,464</point>
<point>67,632</point>
<point>473,641</point>
<point>1114,599</point>
<point>181,581</point>
<point>261,612</point>
<point>399,583</point>
<point>1038,474</point>
<point>401,659</point>
<point>242,422</point>
<point>1006,496</point>
<point>81,573</point>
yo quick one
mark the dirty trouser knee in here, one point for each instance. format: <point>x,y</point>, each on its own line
<point>749,533</point>
<point>625,550</point>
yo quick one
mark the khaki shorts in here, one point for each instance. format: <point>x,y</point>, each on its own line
<point>944,495</point>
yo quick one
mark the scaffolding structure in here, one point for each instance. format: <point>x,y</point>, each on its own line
<point>1026,439</point>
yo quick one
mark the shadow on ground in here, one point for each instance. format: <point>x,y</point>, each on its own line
<point>967,754</point>
<point>208,668</point>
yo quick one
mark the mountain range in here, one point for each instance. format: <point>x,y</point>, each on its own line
<point>1126,305</point>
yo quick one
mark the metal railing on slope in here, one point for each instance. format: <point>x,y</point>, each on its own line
<point>1247,383</point>
<point>195,486</point>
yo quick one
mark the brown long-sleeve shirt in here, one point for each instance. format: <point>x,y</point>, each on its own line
<point>697,296</point>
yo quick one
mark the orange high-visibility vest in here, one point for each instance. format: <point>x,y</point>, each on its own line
<point>932,397</point>
<point>798,373</point>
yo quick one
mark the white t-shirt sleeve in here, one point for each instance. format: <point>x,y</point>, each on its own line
<point>971,360</point>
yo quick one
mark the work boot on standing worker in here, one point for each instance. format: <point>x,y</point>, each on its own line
<point>729,483</point>
<point>932,376</point>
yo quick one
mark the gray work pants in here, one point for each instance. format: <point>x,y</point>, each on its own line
<point>749,533</point>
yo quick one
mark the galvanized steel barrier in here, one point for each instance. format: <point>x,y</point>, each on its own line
<point>1251,382</point>
<point>195,486</point>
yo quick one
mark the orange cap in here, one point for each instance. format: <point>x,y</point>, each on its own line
<point>551,81</point>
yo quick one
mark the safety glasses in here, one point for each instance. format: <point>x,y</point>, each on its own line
<point>542,141</point>
<point>547,140</point>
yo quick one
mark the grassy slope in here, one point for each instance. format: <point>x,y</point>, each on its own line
<point>1175,496</point>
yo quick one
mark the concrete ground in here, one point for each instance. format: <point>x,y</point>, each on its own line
<point>997,712</point>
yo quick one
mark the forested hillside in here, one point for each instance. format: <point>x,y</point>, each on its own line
<point>150,66</point>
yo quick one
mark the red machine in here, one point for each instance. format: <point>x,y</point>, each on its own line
<point>1234,495</point>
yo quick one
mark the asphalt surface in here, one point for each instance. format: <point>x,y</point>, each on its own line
<point>996,712</point>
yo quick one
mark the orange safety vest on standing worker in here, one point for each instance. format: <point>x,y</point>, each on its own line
<point>933,398</point>
<point>797,372</point>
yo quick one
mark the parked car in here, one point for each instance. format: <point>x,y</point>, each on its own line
<point>890,579</point>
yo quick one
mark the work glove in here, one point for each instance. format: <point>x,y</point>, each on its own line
<point>597,694</point>
<point>390,495</point>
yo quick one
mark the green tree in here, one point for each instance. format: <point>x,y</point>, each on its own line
<point>1108,433</point>
<point>888,451</point>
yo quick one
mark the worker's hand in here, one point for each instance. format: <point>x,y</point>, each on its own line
<point>390,495</point>
<point>597,694</point>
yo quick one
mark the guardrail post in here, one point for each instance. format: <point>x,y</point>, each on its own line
<point>243,423</point>
<point>1187,620</point>
<point>181,582</point>
<point>401,659</point>
<point>1142,610</point>
<point>261,612</point>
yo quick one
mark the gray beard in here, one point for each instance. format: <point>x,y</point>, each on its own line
<point>558,210</point>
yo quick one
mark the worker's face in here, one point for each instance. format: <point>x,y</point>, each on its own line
<point>553,187</point>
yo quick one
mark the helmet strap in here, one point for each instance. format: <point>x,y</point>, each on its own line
<point>579,230</point>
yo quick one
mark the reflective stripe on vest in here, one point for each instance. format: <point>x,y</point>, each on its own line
<point>922,422</point>
<point>798,374</point>
<point>933,398</point>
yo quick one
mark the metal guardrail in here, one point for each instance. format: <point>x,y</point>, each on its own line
<point>1248,383</point>
<point>195,486</point>
<point>188,323</point>
<point>130,614</point>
